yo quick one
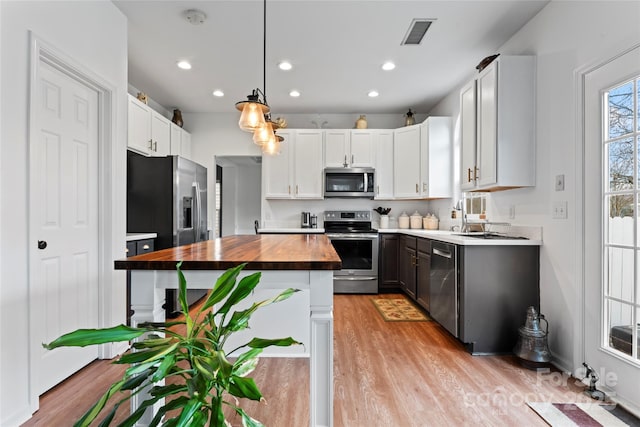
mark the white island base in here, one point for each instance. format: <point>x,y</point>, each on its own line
<point>307,317</point>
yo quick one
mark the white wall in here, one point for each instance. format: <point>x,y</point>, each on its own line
<point>93,34</point>
<point>565,36</point>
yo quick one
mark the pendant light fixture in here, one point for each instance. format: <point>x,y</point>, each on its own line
<point>256,114</point>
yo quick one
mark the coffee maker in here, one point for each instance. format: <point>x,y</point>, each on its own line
<point>305,221</point>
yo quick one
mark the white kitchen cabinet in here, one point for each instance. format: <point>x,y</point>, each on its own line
<point>383,144</point>
<point>498,141</point>
<point>180,142</point>
<point>406,162</point>
<point>149,132</point>
<point>349,148</point>
<point>422,160</point>
<point>435,158</point>
<point>296,173</point>
<point>468,135</point>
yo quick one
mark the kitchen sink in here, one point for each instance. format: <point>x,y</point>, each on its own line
<point>491,236</point>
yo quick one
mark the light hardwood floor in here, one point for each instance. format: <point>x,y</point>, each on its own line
<point>385,374</point>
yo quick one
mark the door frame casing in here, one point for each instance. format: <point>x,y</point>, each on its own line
<point>42,51</point>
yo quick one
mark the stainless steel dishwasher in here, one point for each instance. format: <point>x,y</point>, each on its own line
<point>444,286</point>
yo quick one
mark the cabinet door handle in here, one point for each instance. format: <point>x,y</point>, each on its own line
<point>468,174</point>
<point>289,189</point>
<point>151,144</point>
<point>155,146</point>
<point>424,187</point>
<point>345,161</point>
<point>377,189</point>
<point>352,157</point>
<point>145,247</point>
<point>296,189</point>
<point>476,173</point>
<point>417,188</point>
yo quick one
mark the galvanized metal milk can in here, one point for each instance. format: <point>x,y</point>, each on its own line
<point>532,345</point>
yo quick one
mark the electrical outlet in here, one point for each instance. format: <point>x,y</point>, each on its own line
<point>559,182</point>
<point>560,210</point>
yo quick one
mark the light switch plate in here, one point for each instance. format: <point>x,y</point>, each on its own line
<point>560,210</point>
<point>559,182</point>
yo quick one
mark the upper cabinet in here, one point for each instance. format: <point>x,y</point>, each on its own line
<point>296,173</point>
<point>180,142</point>
<point>422,160</point>
<point>383,145</point>
<point>497,116</point>
<point>349,148</point>
<point>406,162</point>
<point>149,132</point>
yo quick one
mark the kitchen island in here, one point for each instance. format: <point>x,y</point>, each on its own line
<point>304,261</point>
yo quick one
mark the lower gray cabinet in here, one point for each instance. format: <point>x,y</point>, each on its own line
<point>423,271</point>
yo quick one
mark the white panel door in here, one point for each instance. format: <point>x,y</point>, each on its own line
<point>362,148</point>
<point>63,221</point>
<point>276,170</point>
<point>384,164</point>
<point>307,164</point>
<point>336,148</point>
<point>406,162</point>
<point>488,126</point>
<point>611,234</point>
<point>468,135</point>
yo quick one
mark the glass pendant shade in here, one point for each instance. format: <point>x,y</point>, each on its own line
<point>263,134</point>
<point>272,147</point>
<point>252,117</point>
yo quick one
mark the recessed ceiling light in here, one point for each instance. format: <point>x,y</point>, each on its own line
<point>388,66</point>
<point>285,65</point>
<point>294,93</point>
<point>218,93</point>
<point>373,94</point>
<point>184,65</point>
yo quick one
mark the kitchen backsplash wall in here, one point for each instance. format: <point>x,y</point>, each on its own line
<point>286,213</point>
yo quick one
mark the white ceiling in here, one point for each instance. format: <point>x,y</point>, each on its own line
<point>336,48</point>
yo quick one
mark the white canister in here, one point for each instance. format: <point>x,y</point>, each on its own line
<point>416,220</point>
<point>430,222</point>
<point>403,220</point>
<point>384,221</point>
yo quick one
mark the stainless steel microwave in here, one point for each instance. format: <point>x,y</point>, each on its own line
<point>349,182</point>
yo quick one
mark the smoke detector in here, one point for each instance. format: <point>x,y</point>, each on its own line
<point>195,16</point>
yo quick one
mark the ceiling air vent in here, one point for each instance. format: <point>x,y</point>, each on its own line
<point>417,30</point>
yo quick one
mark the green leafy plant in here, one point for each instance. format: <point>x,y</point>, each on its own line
<point>206,374</point>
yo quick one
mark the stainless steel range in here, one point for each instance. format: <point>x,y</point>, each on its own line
<point>356,243</point>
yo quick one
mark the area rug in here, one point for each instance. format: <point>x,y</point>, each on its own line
<point>399,310</point>
<point>579,414</point>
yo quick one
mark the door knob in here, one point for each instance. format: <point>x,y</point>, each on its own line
<point>42,244</point>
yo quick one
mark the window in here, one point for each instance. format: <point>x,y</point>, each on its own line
<point>621,252</point>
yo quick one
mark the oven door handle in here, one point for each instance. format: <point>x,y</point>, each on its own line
<point>353,236</point>
<point>354,278</point>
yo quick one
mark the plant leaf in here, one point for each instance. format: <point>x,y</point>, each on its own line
<point>246,362</point>
<point>182,297</point>
<point>188,412</point>
<point>247,421</point>
<point>93,412</point>
<point>240,319</point>
<point>223,286</point>
<point>85,337</point>
<point>244,387</point>
<point>280,342</point>
<point>166,364</point>
<point>148,355</point>
<point>246,285</point>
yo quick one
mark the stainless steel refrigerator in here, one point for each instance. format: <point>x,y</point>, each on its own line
<point>168,196</point>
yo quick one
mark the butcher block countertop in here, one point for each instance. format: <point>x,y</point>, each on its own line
<point>260,252</point>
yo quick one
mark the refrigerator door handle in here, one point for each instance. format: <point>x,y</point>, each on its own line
<point>197,213</point>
